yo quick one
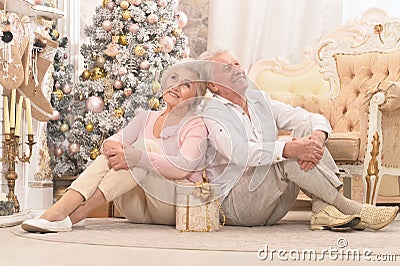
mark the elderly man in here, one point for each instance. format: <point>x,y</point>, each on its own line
<point>261,175</point>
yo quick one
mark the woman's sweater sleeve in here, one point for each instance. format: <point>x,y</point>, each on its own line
<point>129,134</point>
<point>191,155</point>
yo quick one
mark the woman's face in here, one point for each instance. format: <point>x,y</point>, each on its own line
<point>180,86</point>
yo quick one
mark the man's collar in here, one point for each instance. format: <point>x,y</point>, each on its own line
<point>251,100</point>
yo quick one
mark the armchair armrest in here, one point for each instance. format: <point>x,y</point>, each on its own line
<point>391,95</point>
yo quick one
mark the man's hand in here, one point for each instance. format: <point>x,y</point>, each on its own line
<point>319,136</point>
<point>307,150</point>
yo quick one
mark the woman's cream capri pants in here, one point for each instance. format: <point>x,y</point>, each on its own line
<point>138,203</point>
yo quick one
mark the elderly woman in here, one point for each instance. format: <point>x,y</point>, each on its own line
<point>138,163</point>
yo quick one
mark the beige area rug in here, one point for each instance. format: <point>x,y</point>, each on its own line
<point>291,233</point>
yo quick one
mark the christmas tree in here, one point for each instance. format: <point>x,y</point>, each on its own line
<point>62,100</point>
<point>131,43</point>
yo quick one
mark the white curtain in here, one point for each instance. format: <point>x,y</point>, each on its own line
<point>258,29</point>
<point>355,8</point>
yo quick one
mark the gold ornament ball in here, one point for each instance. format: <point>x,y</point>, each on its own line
<point>56,34</point>
<point>59,94</point>
<point>126,15</point>
<point>124,4</point>
<point>64,128</point>
<point>81,97</point>
<point>177,32</point>
<point>98,73</point>
<point>94,153</point>
<point>122,40</point>
<point>119,112</point>
<point>157,48</point>
<point>155,86</point>
<point>105,2</point>
<point>86,74</point>
<point>153,103</point>
<point>90,127</point>
<point>139,50</point>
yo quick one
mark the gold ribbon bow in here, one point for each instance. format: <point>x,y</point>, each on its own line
<point>202,190</point>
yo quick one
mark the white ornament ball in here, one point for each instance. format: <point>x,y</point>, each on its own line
<point>74,148</point>
<point>67,88</point>
<point>55,116</point>
<point>127,92</point>
<point>95,104</point>
<point>162,3</point>
<point>57,85</point>
<point>181,19</point>
<point>167,44</point>
<point>122,71</point>
<point>152,19</point>
<point>106,25</point>
<point>134,28</point>
<point>144,65</point>
<point>118,84</point>
<point>124,4</point>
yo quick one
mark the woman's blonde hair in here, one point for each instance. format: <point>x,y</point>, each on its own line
<point>194,66</point>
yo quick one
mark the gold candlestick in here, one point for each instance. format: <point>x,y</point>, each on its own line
<point>11,156</point>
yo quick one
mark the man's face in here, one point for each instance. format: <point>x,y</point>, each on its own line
<point>228,73</point>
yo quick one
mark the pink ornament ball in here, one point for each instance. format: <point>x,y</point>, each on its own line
<point>162,3</point>
<point>128,92</point>
<point>122,71</point>
<point>106,25</point>
<point>144,65</point>
<point>110,5</point>
<point>118,84</point>
<point>135,2</point>
<point>95,104</point>
<point>181,19</point>
<point>55,116</point>
<point>57,85</point>
<point>167,44</point>
<point>37,2</point>
<point>134,28</point>
<point>67,88</point>
<point>152,19</point>
<point>58,152</point>
<point>74,148</point>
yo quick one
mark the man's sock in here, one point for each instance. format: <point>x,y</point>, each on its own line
<point>347,206</point>
<point>318,205</point>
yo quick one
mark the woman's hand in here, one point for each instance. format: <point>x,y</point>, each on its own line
<point>110,145</point>
<point>123,158</point>
<point>116,158</point>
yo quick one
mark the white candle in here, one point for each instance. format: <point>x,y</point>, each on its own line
<point>18,118</point>
<point>12,108</point>
<point>29,115</point>
<point>6,116</point>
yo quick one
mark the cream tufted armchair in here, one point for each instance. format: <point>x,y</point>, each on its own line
<point>353,79</point>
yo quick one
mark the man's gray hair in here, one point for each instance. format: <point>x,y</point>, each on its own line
<point>209,55</point>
